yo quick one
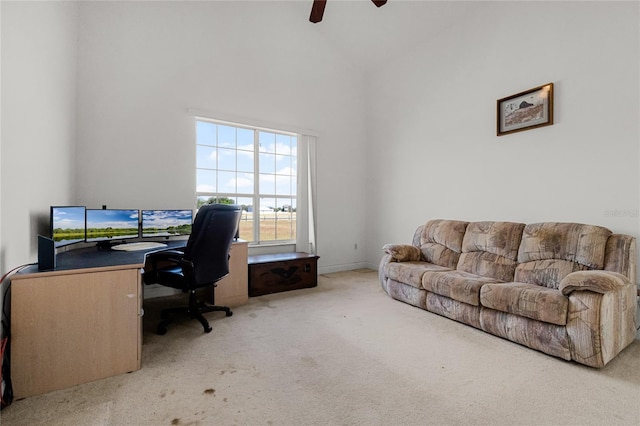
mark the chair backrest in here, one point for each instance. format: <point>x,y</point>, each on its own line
<point>210,241</point>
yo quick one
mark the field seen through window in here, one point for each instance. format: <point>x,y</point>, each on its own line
<point>279,226</point>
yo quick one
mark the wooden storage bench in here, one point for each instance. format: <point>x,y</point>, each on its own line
<point>273,273</point>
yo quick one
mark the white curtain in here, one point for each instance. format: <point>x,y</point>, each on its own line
<point>306,195</point>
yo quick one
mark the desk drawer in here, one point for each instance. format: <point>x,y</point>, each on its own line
<point>282,272</point>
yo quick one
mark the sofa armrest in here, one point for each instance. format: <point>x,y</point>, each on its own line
<point>602,315</point>
<point>402,252</point>
<point>595,281</point>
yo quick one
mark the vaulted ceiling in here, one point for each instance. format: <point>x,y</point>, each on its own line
<point>370,36</point>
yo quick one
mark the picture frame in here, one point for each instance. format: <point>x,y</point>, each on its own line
<point>525,110</point>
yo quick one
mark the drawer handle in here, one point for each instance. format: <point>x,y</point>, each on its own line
<point>285,273</point>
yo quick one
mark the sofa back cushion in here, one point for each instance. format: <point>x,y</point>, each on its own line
<point>549,251</point>
<point>490,249</point>
<point>621,256</point>
<point>441,242</point>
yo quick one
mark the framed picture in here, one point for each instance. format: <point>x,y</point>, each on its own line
<point>526,110</point>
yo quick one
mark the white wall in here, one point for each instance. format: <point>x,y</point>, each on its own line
<point>143,64</point>
<point>39,52</point>
<point>426,147</point>
<point>433,150</point>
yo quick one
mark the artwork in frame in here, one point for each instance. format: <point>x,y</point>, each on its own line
<point>526,110</point>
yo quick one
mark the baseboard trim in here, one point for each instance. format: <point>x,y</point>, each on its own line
<point>342,268</point>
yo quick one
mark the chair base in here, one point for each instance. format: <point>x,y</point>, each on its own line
<point>194,310</point>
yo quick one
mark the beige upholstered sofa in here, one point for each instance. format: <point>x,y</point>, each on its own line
<point>566,289</point>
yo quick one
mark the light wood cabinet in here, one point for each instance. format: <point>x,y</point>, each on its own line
<point>73,327</point>
<point>232,290</point>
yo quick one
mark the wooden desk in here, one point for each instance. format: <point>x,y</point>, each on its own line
<point>83,321</point>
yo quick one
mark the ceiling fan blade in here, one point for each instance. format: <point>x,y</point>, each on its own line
<point>317,10</point>
<point>379,2</point>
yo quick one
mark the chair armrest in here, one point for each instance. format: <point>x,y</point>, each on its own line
<point>402,252</point>
<point>171,254</point>
<point>595,281</point>
<point>163,258</point>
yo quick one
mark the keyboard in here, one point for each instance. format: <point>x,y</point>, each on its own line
<point>146,245</point>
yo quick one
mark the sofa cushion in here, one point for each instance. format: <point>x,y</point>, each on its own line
<point>490,249</point>
<point>500,238</point>
<point>411,272</point>
<point>441,242</point>
<point>583,245</point>
<point>456,285</point>
<point>546,273</point>
<point>621,256</point>
<point>527,300</point>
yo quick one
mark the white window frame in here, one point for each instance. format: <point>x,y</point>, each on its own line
<point>256,196</point>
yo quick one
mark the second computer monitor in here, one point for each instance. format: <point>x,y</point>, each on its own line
<point>112,224</point>
<point>166,223</point>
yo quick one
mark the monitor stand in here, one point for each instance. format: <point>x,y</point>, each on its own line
<point>107,244</point>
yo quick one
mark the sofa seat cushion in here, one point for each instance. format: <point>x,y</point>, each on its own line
<point>527,300</point>
<point>411,272</point>
<point>457,285</point>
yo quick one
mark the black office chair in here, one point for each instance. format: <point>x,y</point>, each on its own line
<point>202,263</point>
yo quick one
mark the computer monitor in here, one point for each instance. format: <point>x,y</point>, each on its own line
<point>67,224</point>
<point>166,223</point>
<point>112,224</point>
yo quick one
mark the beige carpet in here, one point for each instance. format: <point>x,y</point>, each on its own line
<point>343,353</point>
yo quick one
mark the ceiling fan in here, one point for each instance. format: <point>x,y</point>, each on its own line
<point>317,10</point>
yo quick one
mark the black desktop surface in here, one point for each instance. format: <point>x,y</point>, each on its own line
<point>93,257</point>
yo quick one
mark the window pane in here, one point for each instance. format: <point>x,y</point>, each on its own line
<point>246,226</point>
<point>246,203</point>
<point>244,183</point>
<point>267,205</point>
<point>205,157</point>
<point>205,133</point>
<point>226,182</point>
<point>205,181</point>
<point>267,141</point>
<point>227,136</point>
<point>202,200</point>
<point>283,185</point>
<point>245,161</point>
<point>294,216</point>
<point>245,139</point>
<point>267,163</point>
<point>267,219</point>
<point>283,164</point>
<point>285,226</point>
<point>267,184</point>
<point>283,144</point>
<point>226,159</point>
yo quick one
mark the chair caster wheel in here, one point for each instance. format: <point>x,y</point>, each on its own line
<point>229,313</point>
<point>162,330</point>
<point>208,329</point>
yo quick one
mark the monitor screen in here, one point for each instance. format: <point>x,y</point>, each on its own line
<point>67,225</point>
<point>112,224</point>
<point>166,223</point>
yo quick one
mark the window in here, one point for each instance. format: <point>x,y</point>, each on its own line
<point>255,168</point>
